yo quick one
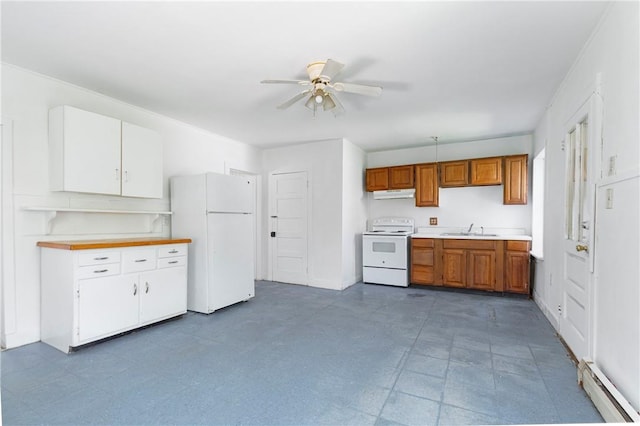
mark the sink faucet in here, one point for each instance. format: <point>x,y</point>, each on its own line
<point>469,230</point>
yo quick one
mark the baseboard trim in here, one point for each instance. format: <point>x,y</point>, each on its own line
<point>611,404</point>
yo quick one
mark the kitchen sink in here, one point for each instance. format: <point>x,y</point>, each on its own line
<point>467,234</point>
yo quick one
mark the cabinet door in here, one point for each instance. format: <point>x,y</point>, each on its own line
<point>517,272</point>
<point>141,162</point>
<point>163,293</point>
<point>85,151</point>
<point>454,271</point>
<point>486,171</point>
<point>482,269</point>
<point>378,179</point>
<point>454,173</point>
<point>107,306</point>
<point>401,177</point>
<point>516,179</point>
<point>427,190</point>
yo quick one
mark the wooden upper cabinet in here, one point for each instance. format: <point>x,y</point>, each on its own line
<point>486,171</point>
<point>454,173</point>
<point>427,185</point>
<point>401,177</point>
<point>378,179</point>
<point>516,172</point>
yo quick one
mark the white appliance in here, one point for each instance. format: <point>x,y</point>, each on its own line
<point>216,212</point>
<point>392,194</point>
<point>385,251</point>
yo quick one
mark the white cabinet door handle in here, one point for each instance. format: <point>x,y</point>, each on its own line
<point>135,289</point>
<point>173,251</point>
<point>146,290</point>
<point>100,271</point>
<point>140,260</point>
<point>173,262</point>
<point>101,258</point>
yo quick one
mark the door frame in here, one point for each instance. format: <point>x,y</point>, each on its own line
<point>270,248</point>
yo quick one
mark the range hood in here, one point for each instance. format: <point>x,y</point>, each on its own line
<point>394,193</point>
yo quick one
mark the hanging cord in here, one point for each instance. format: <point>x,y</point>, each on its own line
<point>435,138</point>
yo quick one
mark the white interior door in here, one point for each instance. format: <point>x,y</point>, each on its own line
<point>576,318</point>
<point>288,227</point>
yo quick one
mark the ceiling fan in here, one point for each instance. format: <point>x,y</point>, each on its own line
<point>321,91</point>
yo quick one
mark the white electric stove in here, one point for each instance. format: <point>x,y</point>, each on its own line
<point>385,251</point>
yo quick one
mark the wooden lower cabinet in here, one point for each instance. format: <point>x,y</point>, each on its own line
<point>489,265</point>
<point>425,266</point>
<point>454,268</point>
<point>517,267</point>
<point>482,269</point>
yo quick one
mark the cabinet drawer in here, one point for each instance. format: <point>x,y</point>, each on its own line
<point>138,260</point>
<point>98,271</point>
<point>98,258</point>
<point>173,250</point>
<point>518,245</point>
<point>422,242</point>
<point>170,262</point>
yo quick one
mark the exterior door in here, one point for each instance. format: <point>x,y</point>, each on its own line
<point>576,317</point>
<point>288,227</point>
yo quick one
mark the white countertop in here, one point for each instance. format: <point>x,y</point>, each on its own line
<point>474,237</point>
<point>498,233</point>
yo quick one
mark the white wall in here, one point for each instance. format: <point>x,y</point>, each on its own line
<point>323,161</point>
<point>354,212</point>
<point>26,99</point>
<point>612,51</point>
<point>453,210</point>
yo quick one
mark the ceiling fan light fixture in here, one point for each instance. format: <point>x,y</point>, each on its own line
<point>314,69</point>
<point>328,103</point>
<point>311,102</point>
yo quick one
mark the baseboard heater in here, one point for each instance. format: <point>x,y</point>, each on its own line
<point>611,404</point>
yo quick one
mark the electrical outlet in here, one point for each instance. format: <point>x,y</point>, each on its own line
<point>612,165</point>
<point>609,198</point>
<point>433,221</point>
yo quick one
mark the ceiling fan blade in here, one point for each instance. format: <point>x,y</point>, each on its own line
<point>359,89</point>
<point>300,82</point>
<point>293,100</point>
<point>338,108</point>
<point>331,69</point>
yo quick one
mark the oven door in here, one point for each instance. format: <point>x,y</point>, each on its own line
<point>384,251</point>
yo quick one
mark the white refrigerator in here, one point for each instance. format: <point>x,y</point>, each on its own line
<point>216,212</point>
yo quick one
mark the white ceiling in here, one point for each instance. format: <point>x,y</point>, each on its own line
<point>456,70</point>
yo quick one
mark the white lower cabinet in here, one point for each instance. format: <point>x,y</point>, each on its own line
<point>85,299</point>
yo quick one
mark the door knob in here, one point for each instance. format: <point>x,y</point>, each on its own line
<point>582,247</point>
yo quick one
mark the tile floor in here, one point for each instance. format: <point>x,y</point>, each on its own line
<point>370,355</point>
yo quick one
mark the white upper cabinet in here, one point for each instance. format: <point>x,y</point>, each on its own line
<point>141,162</point>
<point>102,155</point>
<point>84,151</point>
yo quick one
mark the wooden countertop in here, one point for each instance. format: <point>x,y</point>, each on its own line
<point>101,244</point>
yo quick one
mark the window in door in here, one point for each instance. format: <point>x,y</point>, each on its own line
<point>577,155</point>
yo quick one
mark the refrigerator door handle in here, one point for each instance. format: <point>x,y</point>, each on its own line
<point>214,212</point>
